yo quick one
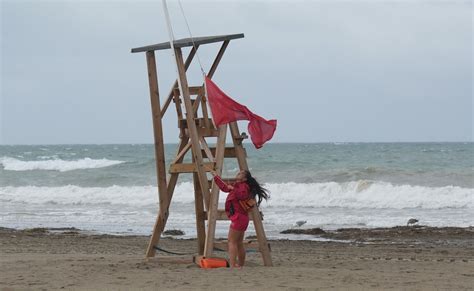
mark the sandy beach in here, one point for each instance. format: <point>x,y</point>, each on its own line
<point>342,133</point>
<point>419,258</point>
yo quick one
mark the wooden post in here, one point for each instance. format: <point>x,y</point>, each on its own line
<point>157,130</point>
<point>199,207</point>
<point>162,217</point>
<point>257,219</point>
<point>214,199</point>
<point>193,133</point>
<point>200,219</point>
<point>218,58</point>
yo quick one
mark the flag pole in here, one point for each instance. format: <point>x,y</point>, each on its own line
<point>171,36</point>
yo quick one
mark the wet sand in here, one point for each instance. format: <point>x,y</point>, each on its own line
<point>407,258</point>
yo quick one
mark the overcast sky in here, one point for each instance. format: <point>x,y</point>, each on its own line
<point>356,71</point>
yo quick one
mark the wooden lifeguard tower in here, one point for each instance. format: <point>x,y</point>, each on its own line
<point>195,125</point>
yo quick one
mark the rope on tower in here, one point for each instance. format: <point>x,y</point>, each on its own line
<point>191,36</point>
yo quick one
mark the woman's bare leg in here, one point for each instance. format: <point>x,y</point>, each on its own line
<point>241,249</point>
<point>233,239</point>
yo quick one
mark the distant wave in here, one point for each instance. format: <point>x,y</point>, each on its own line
<point>12,164</point>
<point>354,195</point>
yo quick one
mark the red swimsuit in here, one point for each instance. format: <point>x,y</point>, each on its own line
<point>238,216</point>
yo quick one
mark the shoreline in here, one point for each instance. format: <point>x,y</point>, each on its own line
<point>352,234</point>
<point>401,258</point>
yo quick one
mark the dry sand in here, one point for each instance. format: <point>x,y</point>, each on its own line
<point>397,258</point>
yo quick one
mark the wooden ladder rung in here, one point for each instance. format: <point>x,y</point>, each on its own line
<point>188,168</point>
<point>207,132</point>
<point>183,123</point>
<point>193,90</point>
<point>196,90</point>
<point>200,122</point>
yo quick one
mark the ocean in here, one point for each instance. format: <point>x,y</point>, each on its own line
<point>112,188</point>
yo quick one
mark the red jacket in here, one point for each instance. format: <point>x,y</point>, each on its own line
<point>241,191</point>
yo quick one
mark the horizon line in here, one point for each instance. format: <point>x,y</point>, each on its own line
<point>249,143</point>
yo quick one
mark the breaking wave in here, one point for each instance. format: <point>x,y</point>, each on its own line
<point>12,164</point>
<point>354,195</point>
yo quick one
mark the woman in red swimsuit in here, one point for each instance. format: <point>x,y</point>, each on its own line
<point>244,188</point>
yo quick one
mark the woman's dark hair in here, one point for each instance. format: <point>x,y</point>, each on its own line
<point>256,190</point>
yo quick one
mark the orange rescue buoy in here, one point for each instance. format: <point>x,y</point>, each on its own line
<point>210,263</point>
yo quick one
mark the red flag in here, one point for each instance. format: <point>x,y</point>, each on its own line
<point>225,109</point>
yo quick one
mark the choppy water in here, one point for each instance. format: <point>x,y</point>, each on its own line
<point>111,188</point>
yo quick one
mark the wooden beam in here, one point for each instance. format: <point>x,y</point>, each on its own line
<point>189,168</point>
<point>189,59</point>
<point>208,132</point>
<point>262,238</point>
<point>206,150</point>
<point>182,153</point>
<point>193,134</point>
<point>157,130</point>
<point>217,60</point>
<point>185,42</point>
<point>177,104</point>
<point>196,104</point>
<point>200,218</point>
<point>214,197</point>
<point>205,114</point>
<point>183,123</point>
<point>196,90</point>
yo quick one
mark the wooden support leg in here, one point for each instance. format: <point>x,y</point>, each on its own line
<point>261,237</point>
<point>164,199</point>
<point>257,219</point>
<point>214,199</point>
<point>162,218</point>
<point>157,128</point>
<point>200,219</point>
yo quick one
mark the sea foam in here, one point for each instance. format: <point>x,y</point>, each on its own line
<point>353,195</point>
<point>12,164</point>
<point>368,194</point>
